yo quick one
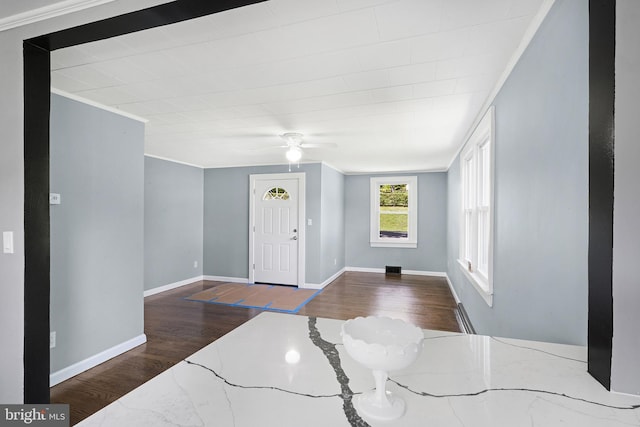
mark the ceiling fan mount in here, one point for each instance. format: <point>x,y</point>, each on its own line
<point>294,145</point>
<point>293,139</point>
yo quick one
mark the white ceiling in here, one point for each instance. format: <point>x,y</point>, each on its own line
<point>395,84</point>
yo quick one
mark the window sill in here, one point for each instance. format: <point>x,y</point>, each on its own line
<point>478,283</point>
<point>405,244</point>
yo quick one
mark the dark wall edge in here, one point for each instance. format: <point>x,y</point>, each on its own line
<point>602,44</point>
<point>36,223</point>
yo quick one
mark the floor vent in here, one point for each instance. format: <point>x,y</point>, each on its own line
<point>463,320</point>
<point>390,269</point>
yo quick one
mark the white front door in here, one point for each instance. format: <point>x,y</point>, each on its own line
<point>275,229</point>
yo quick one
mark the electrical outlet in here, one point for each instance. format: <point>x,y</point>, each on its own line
<point>195,264</point>
<point>52,339</point>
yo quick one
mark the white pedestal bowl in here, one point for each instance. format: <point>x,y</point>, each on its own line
<point>381,344</point>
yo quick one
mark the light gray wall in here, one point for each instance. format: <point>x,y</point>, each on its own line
<point>97,237</point>
<point>430,255</point>
<point>226,219</point>
<point>541,191</point>
<point>11,218</point>
<point>332,222</point>
<point>625,369</point>
<point>12,183</point>
<point>173,221</point>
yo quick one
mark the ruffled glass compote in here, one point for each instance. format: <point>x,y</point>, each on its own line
<point>381,344</point>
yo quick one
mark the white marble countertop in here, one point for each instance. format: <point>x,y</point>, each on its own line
<point>287,370</point>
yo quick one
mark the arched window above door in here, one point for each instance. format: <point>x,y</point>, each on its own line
<point>276,193</point>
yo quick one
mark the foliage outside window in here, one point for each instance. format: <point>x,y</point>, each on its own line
<point>394,212</point>
<point>476,222</point>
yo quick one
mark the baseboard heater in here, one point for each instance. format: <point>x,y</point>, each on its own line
<point>392,269</point>
<point>463,320</point>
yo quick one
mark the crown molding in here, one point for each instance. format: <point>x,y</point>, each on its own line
<point>530,32</point>
<point>167,159</point>
<point>97,105</point>
<point>47,12</point>
<point>332,167</point>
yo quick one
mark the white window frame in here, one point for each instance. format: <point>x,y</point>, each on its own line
<point>476,183</point>
<point>411,241</point>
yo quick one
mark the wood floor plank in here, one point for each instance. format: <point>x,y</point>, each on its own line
<point>176,328</point>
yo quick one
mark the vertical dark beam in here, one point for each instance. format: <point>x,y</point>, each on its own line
<point>602,44</point>
<point>36,223</point>
<point>37,82</point>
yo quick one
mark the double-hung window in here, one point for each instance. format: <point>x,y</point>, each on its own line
<point>394,212</point>
<point>476,230</point>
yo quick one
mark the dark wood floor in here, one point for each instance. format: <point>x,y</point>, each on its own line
<point>176,328</point>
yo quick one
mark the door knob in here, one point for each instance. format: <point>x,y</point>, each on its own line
<point>294,238</point>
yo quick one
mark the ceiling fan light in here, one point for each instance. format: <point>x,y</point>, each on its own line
<point>294,154</point>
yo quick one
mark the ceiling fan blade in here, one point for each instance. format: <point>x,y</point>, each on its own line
<point>319,145</point>
<point>243,135</point>
<point>266,147</point>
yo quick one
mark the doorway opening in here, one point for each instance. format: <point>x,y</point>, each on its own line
<point>276,229</point>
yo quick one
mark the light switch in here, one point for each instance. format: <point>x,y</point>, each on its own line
<point>54,199</point>
<point>7,242</point>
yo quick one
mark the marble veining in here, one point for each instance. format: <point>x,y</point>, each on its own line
<point>491,390</point>
<point>227,382</point>
<point>502,341</point>
<point>286,370</point>
<point>333,357</point>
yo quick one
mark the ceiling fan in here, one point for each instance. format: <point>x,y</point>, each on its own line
<point>295,144</point>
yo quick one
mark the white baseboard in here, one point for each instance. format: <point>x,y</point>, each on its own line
<point>621,393</point>
<point>365,269</point>
<point>323,284</point>
<point>425,273</point>
<point>335,276</point>
<point>410,272</point>
<point>227,279</point>
<point>174,285</point>
<point>90,362</point>
<point>453,290</point>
